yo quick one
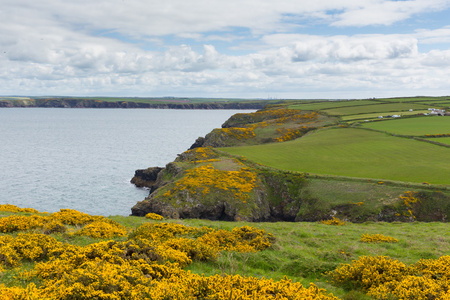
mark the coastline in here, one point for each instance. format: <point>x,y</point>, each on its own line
<point>90,103</point>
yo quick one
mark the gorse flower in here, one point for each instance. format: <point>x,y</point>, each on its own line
<point>148,265</point>
<point>377,238</point>
<point>203,179</point>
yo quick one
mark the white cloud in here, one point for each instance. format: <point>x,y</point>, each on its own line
<point>380,12</point>
<point>136,47</point>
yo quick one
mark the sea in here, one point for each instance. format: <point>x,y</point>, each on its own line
<point>84,159</point>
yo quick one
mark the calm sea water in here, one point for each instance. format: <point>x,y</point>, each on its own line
<point>83,159</point>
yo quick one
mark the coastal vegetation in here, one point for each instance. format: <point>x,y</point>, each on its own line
<point>311,161</point>
<point>202,259</point>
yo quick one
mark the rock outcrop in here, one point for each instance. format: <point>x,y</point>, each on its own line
<point>203,184</point>
<point>146,177</point>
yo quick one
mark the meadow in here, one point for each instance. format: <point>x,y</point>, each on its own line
<point>354,152</point>
<point>445,140</point>
<point>330,104</point>
<point>375,108</point>
<point>419,126</point>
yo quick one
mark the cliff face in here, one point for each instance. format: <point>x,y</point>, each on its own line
<point>205,183</point>
<point>88,103</point>
<point>202,183</point>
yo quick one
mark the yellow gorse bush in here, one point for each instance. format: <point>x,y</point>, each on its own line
<point>19,223</point>
<point>199,155</point>
<point>369,271</point>
<point>377,238</point>
<point>74,217</point>
<point>385,278</point>
<point>146,266</point>
<point>154,216</point>
<point>102,229</point>
<point>201,180</point>
<point>95,226</point>
<point>13,208</point>
<point>288,134</point>
<point>334,221</point>
<point>408,199</point>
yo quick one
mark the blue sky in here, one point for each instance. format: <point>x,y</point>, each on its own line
<point>214,48</point>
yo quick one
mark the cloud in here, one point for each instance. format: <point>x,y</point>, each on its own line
<point>386,12</point>
<point>219,48</point>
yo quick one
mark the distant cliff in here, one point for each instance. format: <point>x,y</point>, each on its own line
<point>90,103</point>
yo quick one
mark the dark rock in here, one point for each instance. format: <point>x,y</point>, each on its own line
<point>146,177</point>
<point>198,143</point>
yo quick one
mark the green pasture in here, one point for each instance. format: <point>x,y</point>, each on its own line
<point>355,153</point>
<point>413,99</point>
<point>331,104</point>
<point>374,108</point>
<point>443,140</point>
<point>438,102</point>
<point>376,115</point>
<point>413,126</point>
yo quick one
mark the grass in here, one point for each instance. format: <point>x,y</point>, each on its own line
<point>304,251</point>
<point>374,108</point>
<point>374,116</point>
<point>330,104</point>
<point>334,191</point>
<point>445,140</point>
<point>413,99</point>
<point>355,153</point>
<point>413,126</point>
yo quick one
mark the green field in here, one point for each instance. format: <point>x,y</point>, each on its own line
<point>445,140</point>
<point>376,115</point>
<point>413,99</point>
<point>355,153</point>
<point>437,102</point>
<point>413,126</point>
<point>331,104</point>
<point>376,108</point>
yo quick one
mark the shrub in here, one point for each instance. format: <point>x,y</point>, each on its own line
<point>377,238</point>
<point>334,221</point>
<point>154,216</point>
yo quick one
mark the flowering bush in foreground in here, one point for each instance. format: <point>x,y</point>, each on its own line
<point>13,208</point>
<point>154,216</point>
<point>146,266</point>
<point>103,229</point>
<point>385,278</point>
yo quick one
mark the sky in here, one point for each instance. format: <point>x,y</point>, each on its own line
<point>265,49</point>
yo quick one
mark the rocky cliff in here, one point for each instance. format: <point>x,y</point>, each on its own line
<point>89,103</point>
<point>202,183</point>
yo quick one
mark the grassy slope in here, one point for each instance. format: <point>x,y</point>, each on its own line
<point>355,153</point>
<point>303,251</point>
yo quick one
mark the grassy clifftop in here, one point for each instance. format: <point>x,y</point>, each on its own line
<point>288,163</point>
